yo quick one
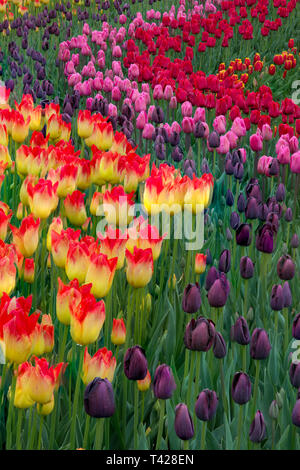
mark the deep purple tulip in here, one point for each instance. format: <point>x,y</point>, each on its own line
<point>206,405</point>
<point>265,239</point>
<point>229,198</point>
<point>199,334</point>
<point>252,209</point>
<point>99,399</point>
<point>287,295</point>
<point>199,130</point>
<point>211,277</point>
<point>234,220</point>
<point>280,193</point>
<point>260,345</point>
<point>135,363</point>
<point>241,388</point>
<point>204,166</point>
<point>238,171</point>
<point>225,261</point>
<point>296,327</point>
<point>253,190</point>
<point>177,154</point>
<point>240,332</point>
<point>243,235</point>
<point>294,373</point>
<point>183,424</point>
<point>286,268</point>
<point>296,414</point>
<point>241,203</point>
<point>218,293</point>
<point>263,212</point>
<point>273,221</point>
<point>246,267</point>
<point>229,167</point>
<point>219,347</point>
<point>163,382</point>
<point>295,241</point>
<point>258,428</point>
<point>288,216</point>
<point>277,298</point>
<point>191,299</point>
<point>214,139</point>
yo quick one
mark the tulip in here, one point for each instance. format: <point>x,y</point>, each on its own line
<point>144,384</point>
<point>296,327</point>
<point>214,140</point>
<point>295,241</point>
<point>191,300</point>
<point>99,399</point>
<point>246,267</point>
<point>243,235</point>
<point>280,193</point>
<point>42,198</point>
<point>26,238</point>
<point>234,220</point>
<point>206,405</point>
<point>139,267</point>
<point>42,381</point>
<point>294,373</point>
<point>240,332</point>
<point>211,277</point>
<point>102,365</point>
<point>77,261</point>
<point>199,334</point>
<point>265,239</point>
<point>225,261</point>
<point>241,388</point>
<point>219,347</point>
<point>200,263</point>
<point>260,345</point>
<point>183,424</point>
<point>18,335</point>
<point>163,382</point>
<point>118,334</point>
<point>100,273</point>
<point>218,293</point>
<point>135,363</point>
<point>87,319</point>
<point>277,298</point>
<point>286,268</point>
<point>296,414</point>
<point>241,203</point>
<point>75,209</point>
<point>229,198</point>
<point>258,428</point>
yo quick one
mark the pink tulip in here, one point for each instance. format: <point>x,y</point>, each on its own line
<point>117,52</point>
<point>89,103</point>
<point>112,110</point>
<point>74,79</point>
<point>150,112</point>
<point>187,125</point>
<point>224,146</point>
<point>116,95</point>
<point>266,132</point>
<point>122,19</point>
<point>256,143</point>
<point>199,115</point>
<point>86,29</point>
<point>140,104</point>
<point>173,102</point>
<point>219,124</point>
<point>186,109</point>
<point>117,68</point>
<point>107,85</point>
<point>97,84</point>
<point>243,154</point>
<point>284,155</point>
<point>232,138</point>
<point>175,127</point>
<point>101,63</point>
<point>148,131</point>
<point>294,144</point>
<point>238,127</point>
<point>295,162</point>
<point>168,92</point>
<point>141,120</point>
<point>158,93</point>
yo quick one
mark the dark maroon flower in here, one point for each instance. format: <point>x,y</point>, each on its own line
<point>183,424</point>
<point>258,428</point>
<point>191,299</point>
<point>241,388</point>
<point>199,334</point>
<point>206,405</point>
<point>240,332</point>
<point>260,345</point>
<point>135,363</point>
<point>99,399</point>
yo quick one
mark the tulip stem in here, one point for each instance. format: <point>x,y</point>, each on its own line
<point>224,397</point>
<point>10,412</point>
<point>53,420</point>
<point>240,427</point>
<point>86,431</point>
<point>33,430</point>
<point>203,435</point>
<point>136,415</point>
<point>161,423</point>
<point>99,434</point>
<point>244,354</point>
<point>245,297</point>
<point>191,378</point>
<point>40,432</point>
<point>19,427</point>
<point>256,386</point>
<point>75,402</point>
<point>286,328</point>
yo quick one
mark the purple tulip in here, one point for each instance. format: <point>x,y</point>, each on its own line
<point>163,382</point>
<point>258,428</point>
<point>199,334</point>
<point>260,345</point>
<point>206,405</point>
<point>183,424</point>
<point>241,388</point>
<point>99,399</point>
<point>135,363</point>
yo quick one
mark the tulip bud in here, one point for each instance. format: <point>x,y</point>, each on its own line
<point>241,203</point>
<point>274,410</point>
<point>229,198</point>
<point>280,193</point>
<point>228,235</point>
<point>118,334</point>
<point>243,235</point>
<point>241,388</point>
<point>288,216</point>
<point>199,334</point>
<point>265,239</point>
<point>200,263</point>
<point>184,427</point>
<point>295,241</point>
<point>246,267</point>
<point>296,414</point>
<point>214,139</point>
<point>191,300</point>
<point>206,405</point>
<point>29,270</point>
<point>240,332</point>
<point>238,171</point>
<point>219,347</point>
<point>135,363</point>
<point>260,345</point>
<point>287,295</point>
<point>218,293</point>
<point>286,268</point>
<point>163,382</point>
<point>294,373</point>
<point>211,277</point>
<point>296,327</point>
<point>225,261</point>
<point>263,212</point>
<point>99,399</point>
<point>258,428</point>
<point>277,299</point>
<point>252,208</point>
<point>234,220</point>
